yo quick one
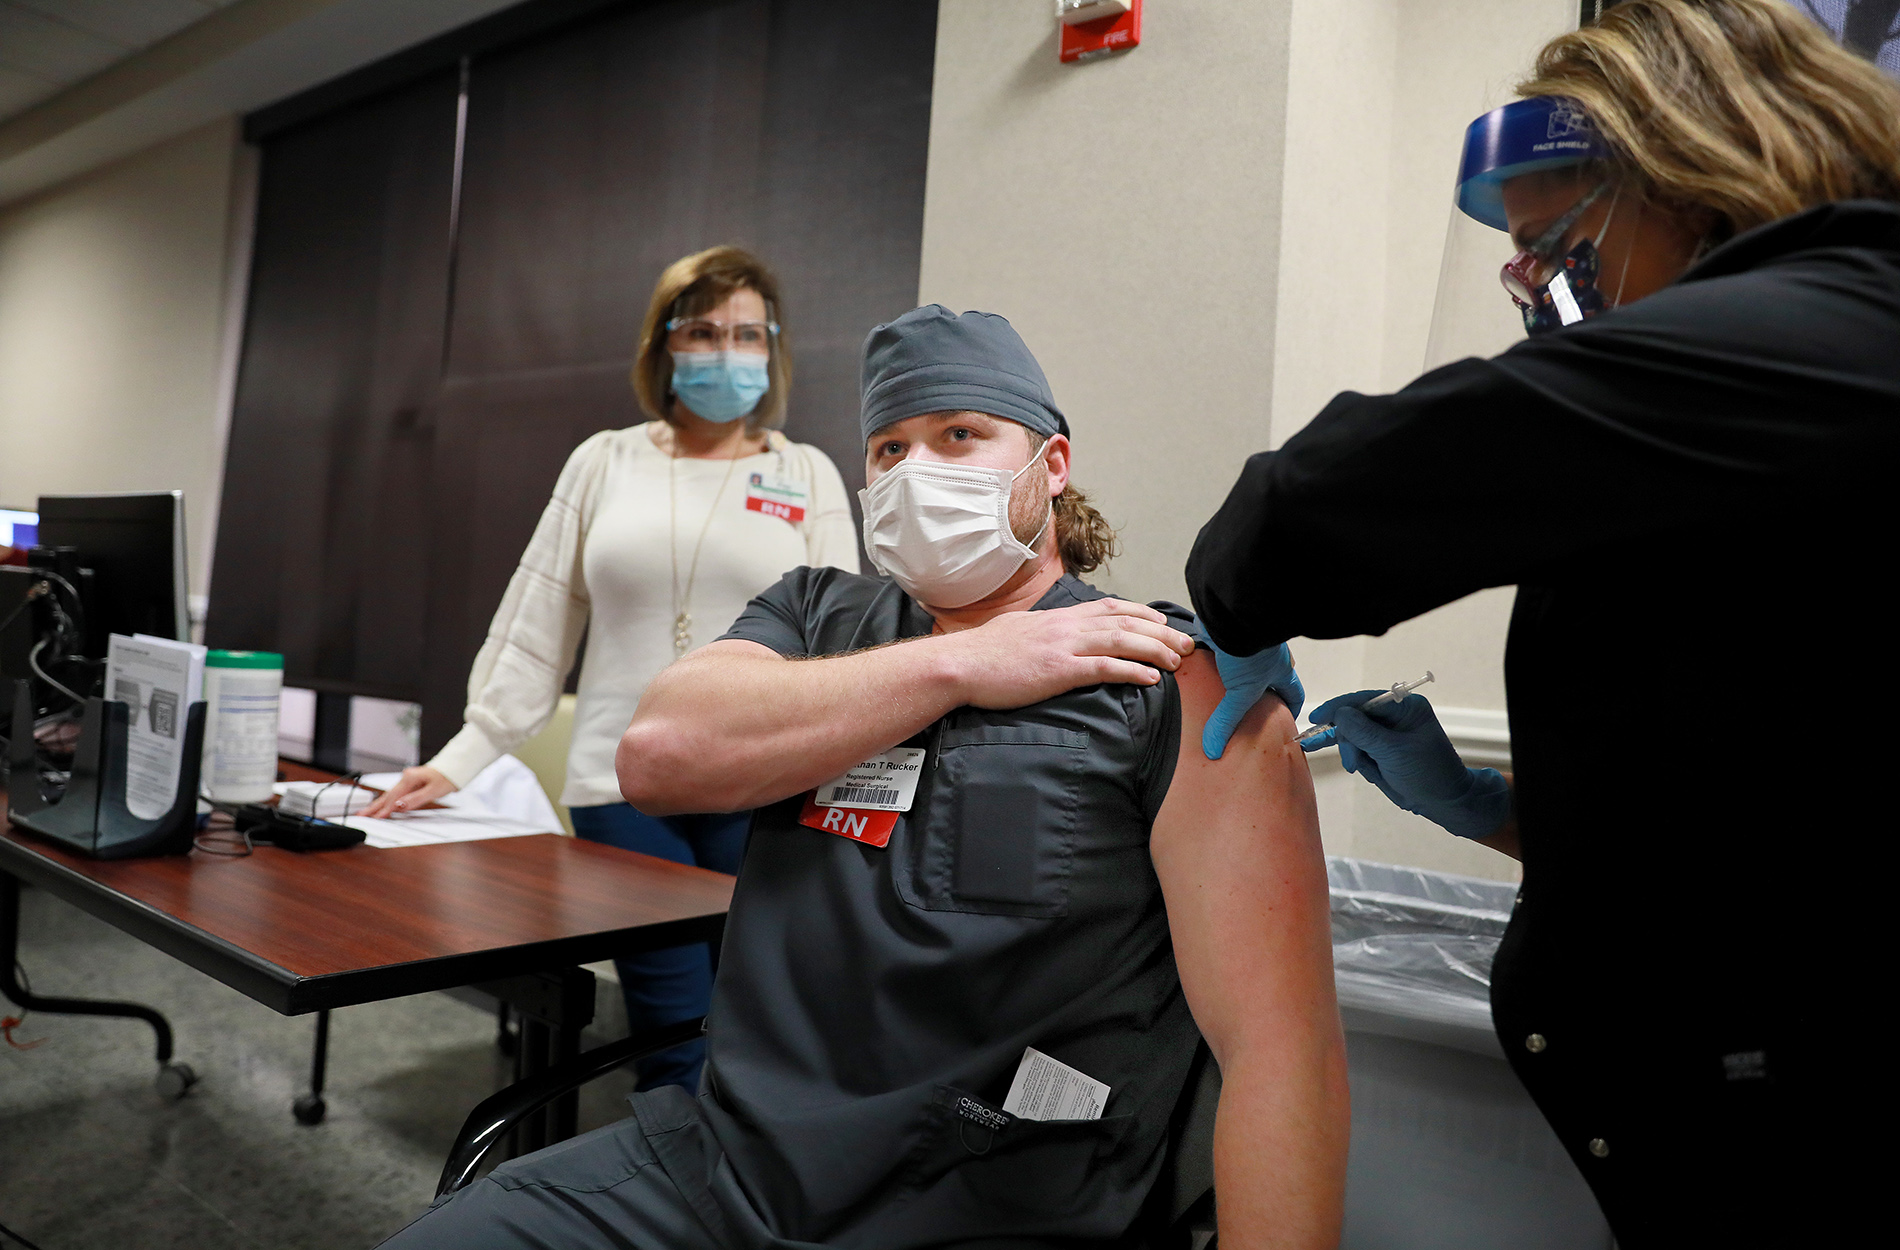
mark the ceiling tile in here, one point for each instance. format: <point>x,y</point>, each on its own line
<point>132,24</point>
<point>44,48</point>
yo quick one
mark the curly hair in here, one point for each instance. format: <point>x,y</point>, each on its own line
<point>1084,538</point>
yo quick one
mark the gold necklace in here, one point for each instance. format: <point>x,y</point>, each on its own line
<point>682,618</point>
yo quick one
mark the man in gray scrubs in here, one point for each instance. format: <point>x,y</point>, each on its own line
<point>953,1008</point>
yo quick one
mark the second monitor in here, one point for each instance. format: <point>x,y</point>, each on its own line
<point>135,546</point>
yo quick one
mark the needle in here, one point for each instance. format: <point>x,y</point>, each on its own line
<point>1399,690</point>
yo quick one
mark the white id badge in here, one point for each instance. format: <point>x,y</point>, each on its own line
<point>1567,311</point>
<point>1048,1089</point>
<point>776,495</point>
<point>883,783</point>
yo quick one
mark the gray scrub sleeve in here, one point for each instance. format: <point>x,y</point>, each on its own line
<point>776,617</point>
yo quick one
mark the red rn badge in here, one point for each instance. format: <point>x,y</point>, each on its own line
<point>775,497</point>
<point>873,828</point>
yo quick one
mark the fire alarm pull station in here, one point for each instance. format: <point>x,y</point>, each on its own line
<point>1095,28</point>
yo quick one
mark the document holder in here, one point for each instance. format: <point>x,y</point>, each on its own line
<point>91,816</point>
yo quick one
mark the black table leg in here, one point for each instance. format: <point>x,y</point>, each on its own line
<point>173,1078</point>
<point>564,1046</point>
<point>309,1108</point>
<point>550,1010</point>
<point>531,1059</point>
<point>504,1036</point>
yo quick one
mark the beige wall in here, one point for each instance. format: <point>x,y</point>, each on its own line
<point>1089,205</point>
<point>1204,240</point>
<point>113,290</point>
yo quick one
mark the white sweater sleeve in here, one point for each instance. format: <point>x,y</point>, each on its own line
<point>830,535</point>
<point>515,683</point>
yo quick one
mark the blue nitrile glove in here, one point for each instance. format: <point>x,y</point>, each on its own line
<point>1246,679</point>
<point>1402,749</point>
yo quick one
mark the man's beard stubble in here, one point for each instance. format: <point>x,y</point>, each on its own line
<point>1030,505</point>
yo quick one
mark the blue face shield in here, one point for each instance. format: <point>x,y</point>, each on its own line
<point>720,386</point>
<point>1544,132</point>
<point>1553,285</point>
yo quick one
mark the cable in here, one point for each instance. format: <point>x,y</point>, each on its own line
<point>33,662</point>
<point>51,578</point>
<point>79,606</point>
<point>65,626</point>
<point>316,800</point>
<point>5,1231</point>
<point>47,575</point>
<point>10,1023</point>
<point>223,841</point>
<point>70,634</point>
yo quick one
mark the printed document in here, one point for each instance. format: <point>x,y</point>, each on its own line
<point>1048,1089</point>
<point>158,680</point>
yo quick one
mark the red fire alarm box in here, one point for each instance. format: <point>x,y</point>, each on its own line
<point>1093,28</point>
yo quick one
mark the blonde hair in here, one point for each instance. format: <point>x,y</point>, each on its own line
<point>1738,111</point>
<point>693,285</point>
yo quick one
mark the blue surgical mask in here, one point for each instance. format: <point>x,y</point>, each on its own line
<point>720,386</point>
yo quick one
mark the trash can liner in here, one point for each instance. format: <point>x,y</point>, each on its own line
<point>1416,944</point>
<point>1448,1150</point>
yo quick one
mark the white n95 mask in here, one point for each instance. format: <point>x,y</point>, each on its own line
<point>942,532</point>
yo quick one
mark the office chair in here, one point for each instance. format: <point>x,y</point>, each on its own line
<point>1178,1215</point>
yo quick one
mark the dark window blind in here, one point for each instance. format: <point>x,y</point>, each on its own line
<point>406,399</point>
<point>322,545</point>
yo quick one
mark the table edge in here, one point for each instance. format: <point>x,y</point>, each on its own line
<point>289,993</point>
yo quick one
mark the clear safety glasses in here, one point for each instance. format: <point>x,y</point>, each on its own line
<point>703,334</point>
<point>1531,268</point>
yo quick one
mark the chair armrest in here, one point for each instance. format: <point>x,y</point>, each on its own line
<point>499,1113</point>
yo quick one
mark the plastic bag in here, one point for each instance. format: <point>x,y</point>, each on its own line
<point>1416,944</point>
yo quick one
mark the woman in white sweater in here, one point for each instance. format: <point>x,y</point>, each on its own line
<point>656,537</point>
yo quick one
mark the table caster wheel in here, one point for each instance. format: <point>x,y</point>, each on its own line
<point>308,1109</point>
<point>175,1080</point>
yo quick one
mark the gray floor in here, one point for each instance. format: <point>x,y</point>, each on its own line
<point>92,1158</point>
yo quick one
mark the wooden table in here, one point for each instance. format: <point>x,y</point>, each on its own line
<point>309,932</point>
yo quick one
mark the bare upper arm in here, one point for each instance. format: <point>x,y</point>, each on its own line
<point>1236,847</point>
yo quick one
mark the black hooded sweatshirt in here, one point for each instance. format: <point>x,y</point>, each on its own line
<point>1694,498</point>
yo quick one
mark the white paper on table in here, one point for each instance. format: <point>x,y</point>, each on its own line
<point>158,680</point>
<point>322,799</point>
<point>506,787</point>
<point>434,825</point>
<point>1048,1089</point>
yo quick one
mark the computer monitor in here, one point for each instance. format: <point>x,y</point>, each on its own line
<point>135,546</point>
<point>19,534</point>
<point>19,529</point>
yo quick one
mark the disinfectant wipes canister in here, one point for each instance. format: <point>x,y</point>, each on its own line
<point>241,694</point>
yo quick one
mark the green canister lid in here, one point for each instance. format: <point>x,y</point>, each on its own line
<point>243,659</point>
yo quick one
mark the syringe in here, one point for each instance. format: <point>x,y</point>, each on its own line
<point>1399,690</point>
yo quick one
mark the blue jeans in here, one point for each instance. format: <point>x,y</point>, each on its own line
<point>667,986</point>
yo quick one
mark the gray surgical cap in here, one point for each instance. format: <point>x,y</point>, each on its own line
<point>932,360</point>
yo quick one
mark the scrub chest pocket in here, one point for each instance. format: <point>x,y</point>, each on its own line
<point>998,836</point>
